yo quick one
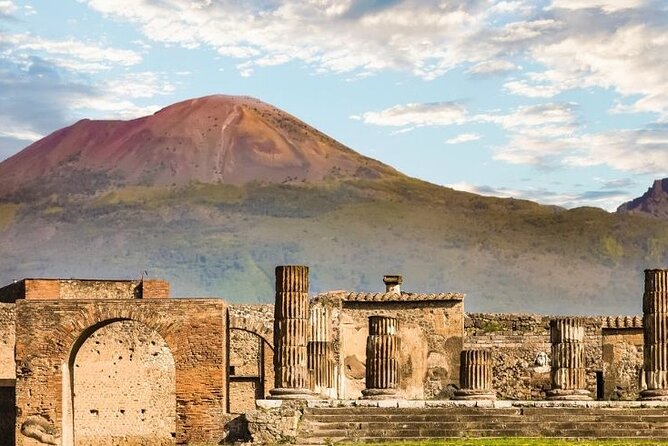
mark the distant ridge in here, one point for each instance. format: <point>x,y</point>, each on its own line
<point>214,139</point>
<point>653,202</point>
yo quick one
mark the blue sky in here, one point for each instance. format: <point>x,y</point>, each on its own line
<point>559,101</point>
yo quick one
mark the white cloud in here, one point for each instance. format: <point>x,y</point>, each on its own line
<point>419,115</point>
<point>605,5</point>
<point>7,7</point>
<point>464,137</point>
<point>492,67</point>
<point>69,54</point>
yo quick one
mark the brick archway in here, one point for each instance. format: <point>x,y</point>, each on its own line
<point>49,334</point>
<point>121,384</point>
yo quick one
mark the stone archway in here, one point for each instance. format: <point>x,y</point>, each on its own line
<point>121,386</point>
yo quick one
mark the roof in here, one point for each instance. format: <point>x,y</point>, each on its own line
<point>393,297</point>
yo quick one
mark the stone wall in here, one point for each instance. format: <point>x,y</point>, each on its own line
<point>430,336</point>
<point>193,330</point>
<point>517,340</point>
<point>124,381</point>
<point>251,355</point>
<point>7,339</point>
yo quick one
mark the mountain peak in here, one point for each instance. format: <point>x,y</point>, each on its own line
<point>653,202</point>
<point>212,139</point>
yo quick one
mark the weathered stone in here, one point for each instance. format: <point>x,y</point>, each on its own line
<point>475,376</point>
<point>321,363</point>
<point>291,325</point>
<point>568,360</point>
<point>655,329</point>
<point>382,359</point>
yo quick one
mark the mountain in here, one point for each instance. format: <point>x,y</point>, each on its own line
<point>214,139</point>
<point>212,193</point>
<point>653,202</point>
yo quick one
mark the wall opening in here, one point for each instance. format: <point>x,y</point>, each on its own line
<point>600,387</point>
<point>250,369</point>
<point>7,412</point>
<point>122,388</point>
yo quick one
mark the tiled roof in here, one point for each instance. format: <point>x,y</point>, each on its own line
<point>394,297</point>
<point>621,322</point>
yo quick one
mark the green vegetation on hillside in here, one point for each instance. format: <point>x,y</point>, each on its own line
<point>215,239</point>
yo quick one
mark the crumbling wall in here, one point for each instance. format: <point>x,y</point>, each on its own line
<point>7,340</point>
<point>70,289</point>
<point>518,343</point>
<point>251,355</point>
<point>623,361</point>
<point>194,330</point>
<point>124,387</point>
<point>430,335</point>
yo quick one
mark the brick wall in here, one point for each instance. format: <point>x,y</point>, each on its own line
<point>70,289</point>
<point>194,330</point>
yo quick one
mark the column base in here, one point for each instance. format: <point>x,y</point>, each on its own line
<point>569,395</point>
<point>291,394</point>
<point>380,394</point>
<point>654,395</point>
<point>474,394</point>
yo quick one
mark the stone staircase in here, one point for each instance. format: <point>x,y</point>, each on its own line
<point>333,424</point>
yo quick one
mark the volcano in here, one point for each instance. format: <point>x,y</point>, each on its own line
<point>213,139</point>
<point>213,193</point>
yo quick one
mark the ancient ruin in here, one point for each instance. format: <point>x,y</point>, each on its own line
<point>85,362</point>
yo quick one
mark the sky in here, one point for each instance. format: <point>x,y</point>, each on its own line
<point>563,102</point>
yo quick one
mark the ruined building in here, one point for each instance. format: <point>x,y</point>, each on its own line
<point>87,362</point>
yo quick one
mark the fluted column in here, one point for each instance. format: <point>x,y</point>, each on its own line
<point>382,358</point>
<point>475,376</point>
<point>655,330</point>
<point>568,360</point>
<point>291,324</point>
<point>320,351</point>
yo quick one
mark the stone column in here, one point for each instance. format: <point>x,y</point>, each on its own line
<point>475,376</point>
<point>655,331</point>
<point>568,360</point>
<point>382,358</point>
<point>291,325</point>
<point>320,351</point>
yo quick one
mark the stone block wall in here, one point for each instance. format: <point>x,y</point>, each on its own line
<point>623,361</point>
<point>194,332</point>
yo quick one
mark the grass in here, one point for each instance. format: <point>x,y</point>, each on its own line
<point>521,442</point>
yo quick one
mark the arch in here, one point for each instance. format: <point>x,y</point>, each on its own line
<point>255,327</point>
<point>144,389</point>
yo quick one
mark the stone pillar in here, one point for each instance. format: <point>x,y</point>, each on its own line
<point>291,325</point>
<point>655,331</point>
<point>568,360</point>
<point>382,358</point>
<point>475,376</point>
<point>320,352</point>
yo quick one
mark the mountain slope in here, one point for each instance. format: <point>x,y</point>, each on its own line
<point>214,139</point>
<point>653,202</point>
<point>91,210</point>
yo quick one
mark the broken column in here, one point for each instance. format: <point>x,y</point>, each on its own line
<point>320,352</point>
<point>291,324</point>
<point>382,358</point>
<point>655,331</point>
<point>393,283</point>
<point>568,360</point>
<point>475,376</point>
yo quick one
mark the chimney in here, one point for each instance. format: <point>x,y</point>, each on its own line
<point>393,283</point>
